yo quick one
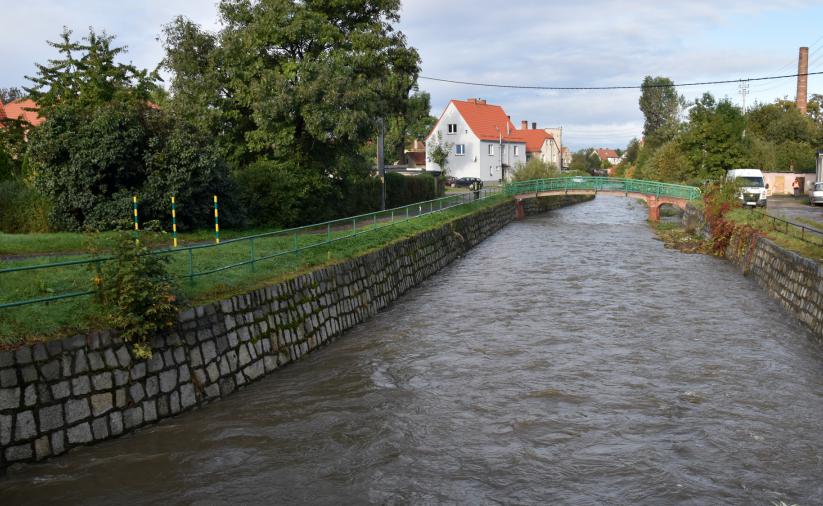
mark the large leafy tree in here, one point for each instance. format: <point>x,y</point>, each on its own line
<point>103,140</point>
<point>301,83</point>
<point>715,140</point>
<point>660,105</point>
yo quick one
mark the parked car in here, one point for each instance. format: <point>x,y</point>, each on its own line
<point>816,194</point>
<point>473,183</point>
<point>450,181</point>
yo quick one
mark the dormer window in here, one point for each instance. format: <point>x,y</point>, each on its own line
<point>452,128</point>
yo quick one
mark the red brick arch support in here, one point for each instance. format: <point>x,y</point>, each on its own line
<point>654,202</point>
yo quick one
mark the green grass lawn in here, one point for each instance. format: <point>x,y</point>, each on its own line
<point>791,238</point>
<point>61,318</point>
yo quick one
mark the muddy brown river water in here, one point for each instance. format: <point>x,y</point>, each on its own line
<point>568,359</point>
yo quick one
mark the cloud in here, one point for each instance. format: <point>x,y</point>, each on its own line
<point>597,43</point>
<point>531,42</point>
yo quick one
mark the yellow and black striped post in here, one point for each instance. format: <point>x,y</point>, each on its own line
<point>136,226</point>
<point>216,223</point>
<point>173,222</point>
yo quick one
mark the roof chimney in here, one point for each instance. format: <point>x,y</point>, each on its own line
<point>524,125</point>
<point>802,79</point>
<point>534,125</point>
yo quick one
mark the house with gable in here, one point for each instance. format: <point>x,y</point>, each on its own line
<point>484,143</point>
<point>540,143</point>
<point>608,155</point>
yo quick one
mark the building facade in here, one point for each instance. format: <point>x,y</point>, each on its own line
<point>482,141</point>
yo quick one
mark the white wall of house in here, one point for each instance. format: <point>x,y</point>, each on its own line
<point>513,154</point>
<point>459,165</point>
<point>475,160</point>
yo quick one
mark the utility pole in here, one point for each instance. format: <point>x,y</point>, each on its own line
<point>381,169</point>
<point>502,170</point>
<point>744,90</point>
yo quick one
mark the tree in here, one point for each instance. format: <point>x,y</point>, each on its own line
<point>414,124</point>
<point>715,140</point>
<point>9,94</point>
<point>90,79</point>
<point>296,82</point>
<point>660,105</point>
<point>439,151</point>
<point>103,141</point>
<point>632,152</point>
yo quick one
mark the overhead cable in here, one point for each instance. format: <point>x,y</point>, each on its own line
<point>634,87</point>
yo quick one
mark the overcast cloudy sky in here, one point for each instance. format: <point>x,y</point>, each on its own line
<point>523,42</point>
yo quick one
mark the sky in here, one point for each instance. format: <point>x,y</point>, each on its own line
<point>520,42</point>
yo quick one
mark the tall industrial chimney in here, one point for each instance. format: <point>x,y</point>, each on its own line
<point>802,79</point>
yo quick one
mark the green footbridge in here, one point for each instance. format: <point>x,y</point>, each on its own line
<point>654,193</point>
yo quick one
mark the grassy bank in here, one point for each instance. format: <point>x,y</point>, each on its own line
<point>61,318</point>
<point>791,239</point>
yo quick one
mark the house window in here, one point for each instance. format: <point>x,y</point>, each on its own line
<point>452,128</point>
<point>516,150</point>
<point>491,149</point>
<point>460,149</point>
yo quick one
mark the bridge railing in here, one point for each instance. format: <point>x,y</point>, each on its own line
<point>604,184</point>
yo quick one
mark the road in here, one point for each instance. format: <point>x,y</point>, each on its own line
<point>791,208</point>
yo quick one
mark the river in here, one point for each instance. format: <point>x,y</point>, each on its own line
<point>568,359</point>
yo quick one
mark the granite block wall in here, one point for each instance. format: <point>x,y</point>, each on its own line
<point>796,282</point>
<point>89,388</point>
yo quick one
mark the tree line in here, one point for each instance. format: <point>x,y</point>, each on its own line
<point>701,140</point>
<point>276,113</point>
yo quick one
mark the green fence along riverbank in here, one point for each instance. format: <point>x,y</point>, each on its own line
<point>50,296</point>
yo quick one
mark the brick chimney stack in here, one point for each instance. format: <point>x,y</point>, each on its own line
<point>802,79</point>
<point>524,125</point>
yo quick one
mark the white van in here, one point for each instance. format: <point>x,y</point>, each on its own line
<point>752,186</point>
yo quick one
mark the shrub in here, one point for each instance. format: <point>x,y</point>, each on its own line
<point>535,168</point>
<point>22,209</point>
<point>138,295</point>
<point>403,190</point>
<point>274,194</point>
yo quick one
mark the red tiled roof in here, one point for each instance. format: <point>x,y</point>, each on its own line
<point>534,139</point>
<point>487,121</point>
<point>16,109</point>
<point>605,154</point>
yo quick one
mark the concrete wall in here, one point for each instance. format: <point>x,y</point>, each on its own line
<point>780,183</point>
<point>89,388</point>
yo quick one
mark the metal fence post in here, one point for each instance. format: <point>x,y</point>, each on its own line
<point>328,232</point>
<point>251,248</point>
<point>191,266</point>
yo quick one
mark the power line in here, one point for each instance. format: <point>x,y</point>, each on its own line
<point>592,88</point>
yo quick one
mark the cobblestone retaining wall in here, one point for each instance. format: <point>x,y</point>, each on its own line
<point>89,388</point>
<point>796,282</point>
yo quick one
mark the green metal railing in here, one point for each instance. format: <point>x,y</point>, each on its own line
<point>604,184</point>
<point>72,278</point>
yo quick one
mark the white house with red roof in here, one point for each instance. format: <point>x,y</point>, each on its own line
<point>608,155</point>
<point>24,109</point>
<point>540,143</point>
<point>483,140</point>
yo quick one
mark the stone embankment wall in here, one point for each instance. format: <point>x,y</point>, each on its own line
<point>90,388</point>
<point>796,282</point>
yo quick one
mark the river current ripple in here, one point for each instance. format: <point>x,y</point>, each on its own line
<point>568,359</point>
